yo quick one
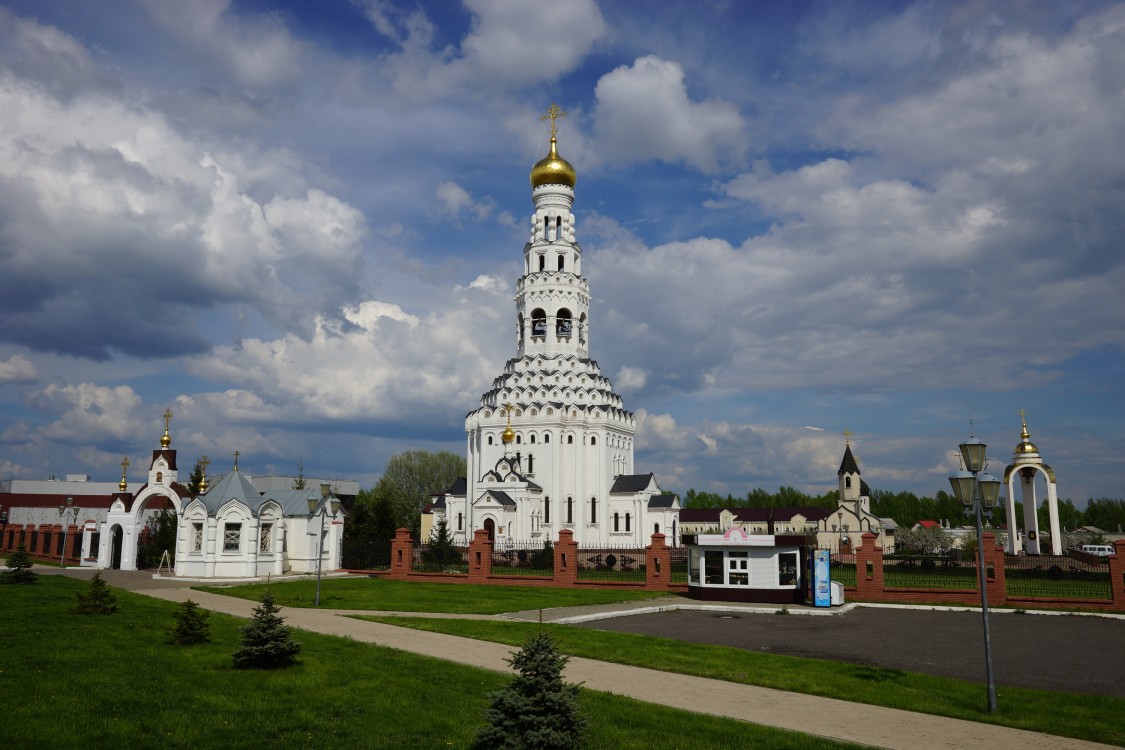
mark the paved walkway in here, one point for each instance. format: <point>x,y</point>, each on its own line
<point>840,720</point>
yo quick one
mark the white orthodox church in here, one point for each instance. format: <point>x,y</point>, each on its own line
<point>229,529</point>
<point>551,445</point>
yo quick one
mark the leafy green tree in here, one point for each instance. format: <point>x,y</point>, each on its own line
<point>537,709</point>
<point>410,478</point>
<point>191,625</point>
<point>99,600</point>
<point>267,642</point>
<point>19,568</point>
<point>369,531</point>
<point>1105,513</point>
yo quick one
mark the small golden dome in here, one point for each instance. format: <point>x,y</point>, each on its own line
<point>553,169</point>
<point>1026,446</point>
<point>509,435</point>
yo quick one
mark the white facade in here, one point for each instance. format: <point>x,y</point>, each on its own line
<point>567,462</point>
<point>235,531</point>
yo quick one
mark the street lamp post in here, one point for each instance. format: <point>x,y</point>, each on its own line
<point>69,509</point>
<point>319,508</point>
<point>975,489</point>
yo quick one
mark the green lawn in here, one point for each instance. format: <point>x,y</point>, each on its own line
<point>1091,717</point>
<point>412,596</point>
<point>107,681</point>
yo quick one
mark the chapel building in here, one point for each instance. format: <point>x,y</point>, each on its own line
<point>551,445</point>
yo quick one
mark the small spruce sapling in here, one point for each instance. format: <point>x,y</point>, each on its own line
<point>191,625</point>
<point>537,709</point>
<point>266,640</point>
<point>19,568</point>
<point>98,601</point>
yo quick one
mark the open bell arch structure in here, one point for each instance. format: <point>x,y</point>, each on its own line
<point>1026,463</point>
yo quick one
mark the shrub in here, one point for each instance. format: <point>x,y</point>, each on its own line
<point>191,625</point>
<point>537,709</point>
<point>98,601</point>
<point>266,641</point>
<point>19,568</point>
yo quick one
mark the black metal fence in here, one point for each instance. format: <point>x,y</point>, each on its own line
<point>1056,576</point>
<point>436,558</point>
<point>841,566</point>
<point>366,554</point>
<point>952,571</point>
<point>612,564</point>
<point>679,563</point>
<point>523,558</point>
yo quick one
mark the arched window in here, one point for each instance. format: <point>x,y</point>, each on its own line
<point>532,437</point>
<point>490,440</point>
<point>562,262</point>
<point>656,528</point>
<point>570,439</point>
<point>563,322</point>
<point>530,464</point>
<point>593,440</point>
<point>558,228</point>
<point>546,510</point>
<point>538,322</point>
<point>546,437</point>
<point>521,327</point>
<point>616,522</point>
<point>593,510</point>
<point>460,521</point>
<point>570,510</point>
<point>542,262</point>
<point>582,327</point>
<point>628,519</point>
<point>847,483</point>
<point>519,439</point>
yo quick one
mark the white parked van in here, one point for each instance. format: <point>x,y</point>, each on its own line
<point>1101,550</point>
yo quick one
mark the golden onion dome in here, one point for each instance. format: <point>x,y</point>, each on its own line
<point>509,435</point>
<point>553,169</point>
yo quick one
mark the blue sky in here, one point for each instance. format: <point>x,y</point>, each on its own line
<point>299,226</point>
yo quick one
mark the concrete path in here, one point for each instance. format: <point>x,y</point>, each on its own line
<point>840,720</point>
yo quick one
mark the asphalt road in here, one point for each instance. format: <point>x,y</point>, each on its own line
<point>1052,652</point>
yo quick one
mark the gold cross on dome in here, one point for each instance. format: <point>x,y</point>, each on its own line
<point>204,463</point>
<point>167,418</point>
<point>1023,416</point>
<point>124,464</point>
<point>552,113</point>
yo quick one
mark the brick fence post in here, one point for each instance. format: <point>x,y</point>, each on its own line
<point>1117,575</point>
<point>402,554</point>
<point>566,559</point>
<point>658,564</point>
<point>869,588</point>
<point>994,558</point>
<point>480,557</point>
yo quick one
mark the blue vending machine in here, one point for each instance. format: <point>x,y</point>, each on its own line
<point>822,579</point>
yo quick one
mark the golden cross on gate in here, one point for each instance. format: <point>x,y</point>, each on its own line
<point>552,113</point>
